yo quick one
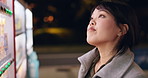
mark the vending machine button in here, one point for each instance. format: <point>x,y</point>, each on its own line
<point>1,72</point>
<point>6,66</point>
<point>9,63</point>
<point>3,69</point>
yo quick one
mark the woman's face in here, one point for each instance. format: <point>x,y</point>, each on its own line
<point>102,28</point>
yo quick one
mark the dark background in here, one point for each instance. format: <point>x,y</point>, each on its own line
<point>70,19</point>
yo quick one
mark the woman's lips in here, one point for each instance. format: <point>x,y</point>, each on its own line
<point>91,29</point>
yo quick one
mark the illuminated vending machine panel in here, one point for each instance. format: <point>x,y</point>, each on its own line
<point>20,39</point>
<point>29,31</point>
<point>7,60</point>
<point>32,63</point>
<point>19,17</point>
<point>21,56</point>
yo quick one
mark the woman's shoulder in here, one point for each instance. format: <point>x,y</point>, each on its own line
<point>134,71</point>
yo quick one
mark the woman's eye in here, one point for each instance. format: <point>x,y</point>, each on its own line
<point>101,16</point>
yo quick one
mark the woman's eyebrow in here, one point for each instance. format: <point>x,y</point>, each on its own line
<point>105,11</point>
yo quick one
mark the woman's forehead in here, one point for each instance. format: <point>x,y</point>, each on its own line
<point>101,11</point>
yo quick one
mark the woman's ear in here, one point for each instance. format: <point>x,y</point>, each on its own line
<point>124,29</point>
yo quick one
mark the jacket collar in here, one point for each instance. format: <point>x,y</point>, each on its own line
<point>116,68</point>
<point>87,59</point>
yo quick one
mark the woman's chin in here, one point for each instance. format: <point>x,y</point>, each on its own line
<point>90,42</point>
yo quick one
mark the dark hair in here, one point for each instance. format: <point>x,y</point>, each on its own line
<point>123,14</point>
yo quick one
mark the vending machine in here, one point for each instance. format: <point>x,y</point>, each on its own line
<point>16,41</point>
<point>20,39</point>
<point>33,63</point>
<point>7,39</point>
<point>29,31</point>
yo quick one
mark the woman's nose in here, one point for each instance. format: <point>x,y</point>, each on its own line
<point>92,23</point>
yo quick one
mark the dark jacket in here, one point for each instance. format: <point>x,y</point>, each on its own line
<point>121,66</point>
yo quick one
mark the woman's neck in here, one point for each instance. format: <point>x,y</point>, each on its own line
<point>106,52</point>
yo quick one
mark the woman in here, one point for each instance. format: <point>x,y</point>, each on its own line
<point>113,31</point>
